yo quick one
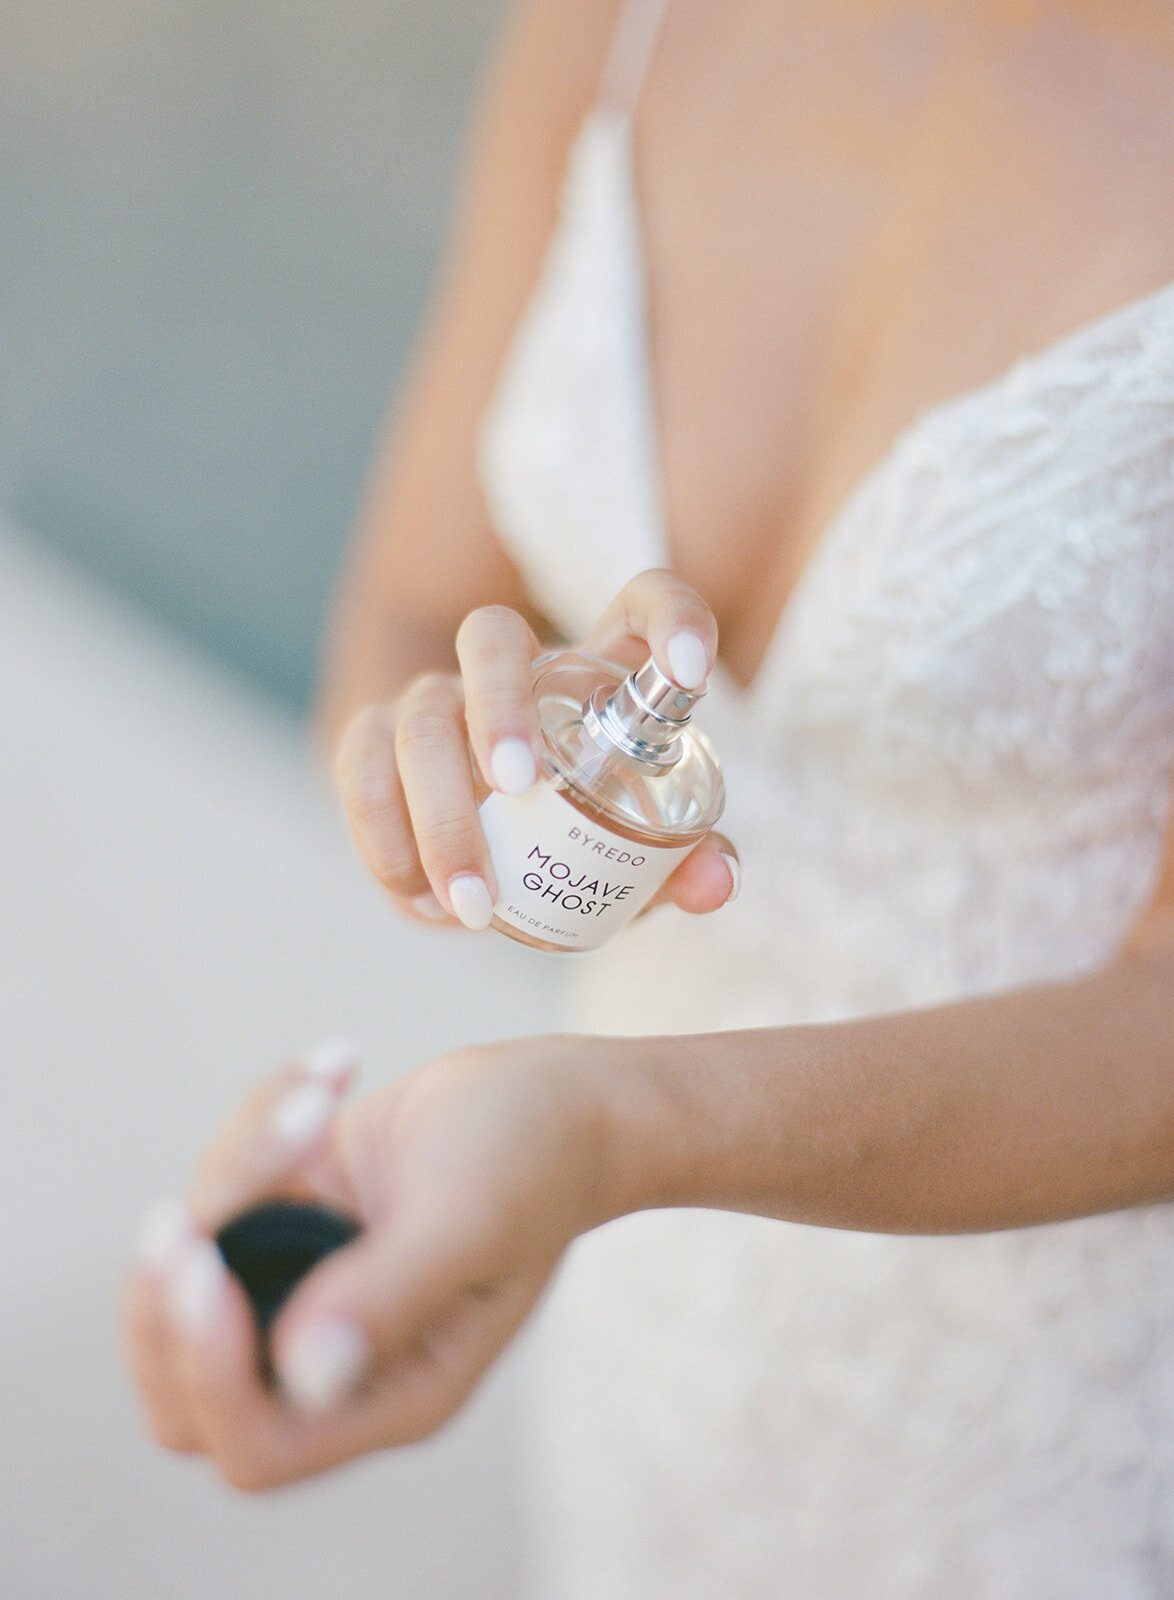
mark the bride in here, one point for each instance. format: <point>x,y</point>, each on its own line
<point>842,331</point>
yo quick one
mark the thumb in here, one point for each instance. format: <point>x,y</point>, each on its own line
<point>392,1332</point>
<point>708,878</point>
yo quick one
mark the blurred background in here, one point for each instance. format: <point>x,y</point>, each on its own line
<point>217,228</point>
<point>219,225</point>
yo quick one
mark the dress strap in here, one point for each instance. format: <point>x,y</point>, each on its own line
<point>630,56</point>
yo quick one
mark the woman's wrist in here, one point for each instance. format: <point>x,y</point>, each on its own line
<point>661,1133</point>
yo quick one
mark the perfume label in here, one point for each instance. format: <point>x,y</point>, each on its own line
<point>564,878</point>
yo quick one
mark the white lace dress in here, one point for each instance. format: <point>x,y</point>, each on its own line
<point>950,777</point>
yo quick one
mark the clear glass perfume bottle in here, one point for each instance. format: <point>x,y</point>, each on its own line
<point>627,788</point>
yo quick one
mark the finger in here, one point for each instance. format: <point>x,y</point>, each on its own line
<point>216,1383</point>
<point>148,1333</point>
<point>708,878</point>
<point>393,1288</point>
<point>277,1138</point>
<point>432,754</point>
<point>659,613</point>
<point>495,647</point>
<point>260,1436</point>
<point>383,1343</point>
<point>373,802</point>
<point>240,1421</point>
<point>151,1350</point>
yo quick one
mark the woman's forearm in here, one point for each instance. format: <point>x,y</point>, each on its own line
<point>991,1113</point>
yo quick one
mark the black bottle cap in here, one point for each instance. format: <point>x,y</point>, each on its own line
<point>271,1247</point>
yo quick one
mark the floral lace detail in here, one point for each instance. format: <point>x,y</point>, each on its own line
<point>951,776</point>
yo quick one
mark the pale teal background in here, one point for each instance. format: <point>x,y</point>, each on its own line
<point>217,225</point>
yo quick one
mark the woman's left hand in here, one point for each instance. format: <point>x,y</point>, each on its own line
<point>469,1177</point>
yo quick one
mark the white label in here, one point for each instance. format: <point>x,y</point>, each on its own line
<point>564,878</point>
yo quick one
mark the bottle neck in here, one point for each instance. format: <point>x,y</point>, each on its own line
<point>641,722</point>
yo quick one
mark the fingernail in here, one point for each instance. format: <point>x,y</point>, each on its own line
<point>333,1060</point>
<point>513,766</point>
<point>429,906</point>
<point>735,871</point>
<point>166,1228</point>
<point>687,660</point>
<point>195,1287</point>
<point>322,1361</point>
<point>470,901</point>
<point>300,1116</point>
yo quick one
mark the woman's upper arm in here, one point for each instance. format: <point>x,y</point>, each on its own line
<point>425,553</point>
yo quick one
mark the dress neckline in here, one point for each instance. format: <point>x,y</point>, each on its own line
<point>1022,371</point>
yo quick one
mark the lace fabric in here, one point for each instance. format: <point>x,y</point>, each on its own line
<point>950,777</point>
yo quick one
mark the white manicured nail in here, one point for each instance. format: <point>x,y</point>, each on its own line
<point>166,1228</point>
<point>687,660</point>
<point>735,869</point>
<point>300,1116</point>
<point>322,1361</point>
<point>513,766</point>
<point>471,904</point>
<point>429,906</point>
<point>333,1060</point>
<point>195,1288</point>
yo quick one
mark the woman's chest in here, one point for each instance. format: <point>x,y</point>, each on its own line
<point>848,220</point>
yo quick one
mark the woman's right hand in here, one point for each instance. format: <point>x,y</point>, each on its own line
<point>406,776</point>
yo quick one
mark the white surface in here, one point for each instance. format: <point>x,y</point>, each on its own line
<point>178,909</point>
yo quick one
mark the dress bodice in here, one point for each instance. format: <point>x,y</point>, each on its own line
<point>951,775</point>
<point>952,771</point>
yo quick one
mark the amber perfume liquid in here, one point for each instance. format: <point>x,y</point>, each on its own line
<point>628,788</point>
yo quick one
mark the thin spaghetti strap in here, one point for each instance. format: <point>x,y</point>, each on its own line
<point>631,52</point>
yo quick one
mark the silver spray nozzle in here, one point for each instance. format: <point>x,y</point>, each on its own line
<point>643,718</point>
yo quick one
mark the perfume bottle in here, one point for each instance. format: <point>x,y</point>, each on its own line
<point>626,788</point>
